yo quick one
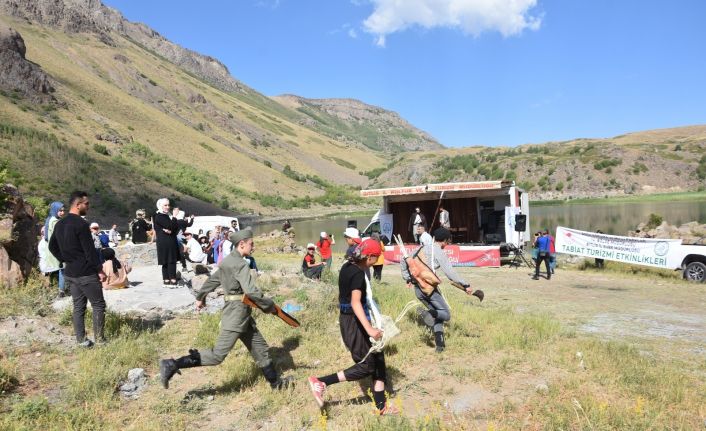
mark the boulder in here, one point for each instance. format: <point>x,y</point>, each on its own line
<point>19,245</point>
<point>10,272</point>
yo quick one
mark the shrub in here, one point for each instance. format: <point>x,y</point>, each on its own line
<point>101,149</point>
<point>606,163</point>
<point>41,208</point>
<point>653,221</point>
<point>8,381</point>
<point>207,147</point>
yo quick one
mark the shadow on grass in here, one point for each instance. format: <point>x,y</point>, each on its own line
<point>281,358</point>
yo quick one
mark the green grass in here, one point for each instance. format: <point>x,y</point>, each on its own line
<point>657,197</point>
<point>620,386</point>
<point>33,298</point>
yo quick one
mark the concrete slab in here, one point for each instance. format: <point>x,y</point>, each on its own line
<point>145,295</point>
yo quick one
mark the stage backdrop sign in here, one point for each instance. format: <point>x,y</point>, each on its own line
<point>386,225</point>
<point>660,253</point>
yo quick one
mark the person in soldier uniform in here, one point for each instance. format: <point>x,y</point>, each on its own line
<point>235,278</point>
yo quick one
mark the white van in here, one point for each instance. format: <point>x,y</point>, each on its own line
<point>204,224</point>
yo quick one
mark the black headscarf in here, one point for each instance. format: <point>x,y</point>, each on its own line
<point>109,254</point>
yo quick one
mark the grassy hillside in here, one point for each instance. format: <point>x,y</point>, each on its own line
<point>147,128</point>
<point>669,160</point>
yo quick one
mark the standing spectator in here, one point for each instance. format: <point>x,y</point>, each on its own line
<point>183,223</point>
<point>235,225</point>
<point>166,229</point>
<point>113,236</point>
<point>324,245</point>
<point>115,271</point>
<point>600,263</point>
<point>552,250</point>
<point>52,264</point>
<point>139,228</point>
<point>542,244</point>
<point>352,237</point>
<point>377,266</point>
<point>43,252</point>
<point>416,219</point>
<point>72,244</point>
<point>226,245</point>
<point>100,240</point>
<point>444,219</point>
<point>310,267</point>
<point>286,225</point>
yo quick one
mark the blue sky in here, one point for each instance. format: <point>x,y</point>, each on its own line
<point>469,72</point>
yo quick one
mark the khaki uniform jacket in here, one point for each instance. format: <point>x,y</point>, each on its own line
<point>234,276</point>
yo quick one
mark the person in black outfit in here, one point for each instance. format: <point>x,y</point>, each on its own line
<point>356,329</point>
<point>600,263</point>
<point>139,228</point>
<point>166,228</point>
<point>183,223</point>
<point>72,244</point>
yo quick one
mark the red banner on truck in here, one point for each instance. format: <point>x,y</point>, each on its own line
<point>459,255</point>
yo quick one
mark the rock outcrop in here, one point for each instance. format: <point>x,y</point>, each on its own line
<point>19,75</point>
<point>18,238</point>
<point>689,233</point>
<point>92,16</point>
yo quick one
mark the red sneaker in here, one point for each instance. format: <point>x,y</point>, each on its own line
<point>389,410</point>
<point>317,389</point>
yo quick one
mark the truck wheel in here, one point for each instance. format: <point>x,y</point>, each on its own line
<point>695,271</point>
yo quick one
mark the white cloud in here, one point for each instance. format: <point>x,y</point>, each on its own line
<point>508,17</point>
<point>352,33</point>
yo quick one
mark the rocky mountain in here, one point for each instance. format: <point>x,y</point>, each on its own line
<point>137,117</point>
<point>354,121</point>
<point>90,100</point>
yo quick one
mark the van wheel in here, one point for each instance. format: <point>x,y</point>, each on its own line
<point>695,271</point>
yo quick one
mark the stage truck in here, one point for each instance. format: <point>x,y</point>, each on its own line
<point>487,218</point>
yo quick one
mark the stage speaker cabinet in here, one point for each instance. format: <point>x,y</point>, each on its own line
<point>520,222</point>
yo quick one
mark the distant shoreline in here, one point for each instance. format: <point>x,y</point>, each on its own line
<point>656,197</point>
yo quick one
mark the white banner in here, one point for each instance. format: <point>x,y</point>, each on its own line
<point>661,253</point>
<point>386,225</point>
<point>510,235</point>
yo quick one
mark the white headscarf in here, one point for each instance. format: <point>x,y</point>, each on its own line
<point>160,204</point>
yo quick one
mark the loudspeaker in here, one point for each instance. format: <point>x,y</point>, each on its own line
<point>520,222</point>
<point>353,223</point>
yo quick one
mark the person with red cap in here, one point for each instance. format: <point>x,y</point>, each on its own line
<point>356,329</point>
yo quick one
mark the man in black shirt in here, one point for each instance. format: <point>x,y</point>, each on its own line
<point>72,244</point>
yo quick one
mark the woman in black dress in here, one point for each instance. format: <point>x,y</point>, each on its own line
<point>166,228</point>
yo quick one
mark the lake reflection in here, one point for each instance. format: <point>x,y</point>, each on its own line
<point>616,218</point>
<point>611,218</point>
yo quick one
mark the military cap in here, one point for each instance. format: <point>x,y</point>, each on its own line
<point>241,235</point>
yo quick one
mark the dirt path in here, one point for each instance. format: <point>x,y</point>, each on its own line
<point>609,305</point>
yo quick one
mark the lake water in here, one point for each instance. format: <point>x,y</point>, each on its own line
<point>611,218</point>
